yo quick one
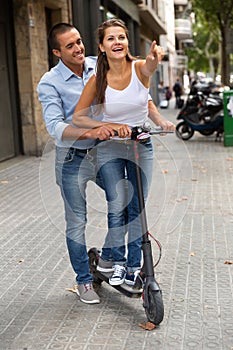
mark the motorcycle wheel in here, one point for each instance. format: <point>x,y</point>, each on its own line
<point>155,309</point>
<point>207,132</point>
<point>184,131</point>
<point>93,258</point>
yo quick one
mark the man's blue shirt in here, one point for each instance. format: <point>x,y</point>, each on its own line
<point>59,91</point>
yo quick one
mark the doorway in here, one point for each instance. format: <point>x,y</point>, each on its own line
<point>9,137</point>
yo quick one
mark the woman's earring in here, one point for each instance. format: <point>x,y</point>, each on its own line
<point>103,53</point>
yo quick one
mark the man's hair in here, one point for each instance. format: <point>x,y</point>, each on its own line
<point>57,29</point>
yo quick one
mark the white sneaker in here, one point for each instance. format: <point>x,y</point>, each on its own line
<point>118,275</point>
<point>130,278</point>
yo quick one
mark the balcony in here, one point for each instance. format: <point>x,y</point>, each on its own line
<point>183,29</point>
<point>187,43</point>
<point>150,17</point>
<point>181,60</point>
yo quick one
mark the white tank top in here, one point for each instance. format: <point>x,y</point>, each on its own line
<point>128,106</point>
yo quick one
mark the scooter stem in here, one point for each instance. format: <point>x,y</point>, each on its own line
<point>146,244</point>
<point>140,191</point>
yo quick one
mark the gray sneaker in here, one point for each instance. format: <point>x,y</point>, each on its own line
<point>87,294</point>
<point>105,266</point>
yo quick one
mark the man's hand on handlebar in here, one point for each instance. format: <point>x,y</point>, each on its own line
<point>122,130</point>
<point>102,133</point>
<point>106,131</point>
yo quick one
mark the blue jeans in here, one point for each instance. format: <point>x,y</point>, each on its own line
<point>73,171</point>
<point>116,161</point>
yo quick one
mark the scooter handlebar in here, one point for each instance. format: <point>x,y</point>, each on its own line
<point>156,131</point>
<point>138,130</point>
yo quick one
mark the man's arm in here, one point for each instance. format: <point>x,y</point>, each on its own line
<point>71,133</point>
<point>54,117</point>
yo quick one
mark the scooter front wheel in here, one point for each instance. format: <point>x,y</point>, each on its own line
<point>184,131</point>
<point>155,309</point>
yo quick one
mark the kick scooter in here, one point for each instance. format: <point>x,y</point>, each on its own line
<point>145,285</point>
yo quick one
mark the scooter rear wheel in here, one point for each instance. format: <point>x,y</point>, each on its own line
<point>155,309</point>
<point>93,257</point>
<point>184,131</point>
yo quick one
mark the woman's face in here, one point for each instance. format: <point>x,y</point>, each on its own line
<point>115,43</point>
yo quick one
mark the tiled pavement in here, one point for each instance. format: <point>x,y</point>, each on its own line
<point>190,211</point>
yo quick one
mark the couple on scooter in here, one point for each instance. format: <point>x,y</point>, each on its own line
<point>118,77</point>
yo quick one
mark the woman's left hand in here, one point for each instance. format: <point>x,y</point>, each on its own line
<point>156,52</point>
<point>167,125</point>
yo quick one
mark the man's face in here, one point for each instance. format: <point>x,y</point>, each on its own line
<point>72,50</point>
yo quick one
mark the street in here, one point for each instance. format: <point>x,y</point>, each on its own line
<point>190,211</point>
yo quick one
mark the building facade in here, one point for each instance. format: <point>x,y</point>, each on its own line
<point>24,25</point>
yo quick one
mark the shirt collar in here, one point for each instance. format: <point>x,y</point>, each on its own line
<point>67,73</point>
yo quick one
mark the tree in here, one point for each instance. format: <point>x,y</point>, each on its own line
<point>204,54</point>
<point>218,13</point>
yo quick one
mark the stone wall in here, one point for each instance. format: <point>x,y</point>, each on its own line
<point>32,63</point>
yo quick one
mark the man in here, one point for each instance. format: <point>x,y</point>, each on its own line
<point>177,88</point>
<point>59,91</point>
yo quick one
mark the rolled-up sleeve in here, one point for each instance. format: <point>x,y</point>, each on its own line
<point>59,91</point>
<point>53,113</point>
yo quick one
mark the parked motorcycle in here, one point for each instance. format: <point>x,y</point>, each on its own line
<point>203,114</point>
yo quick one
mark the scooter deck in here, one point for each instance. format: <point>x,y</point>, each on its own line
<point>123,288</point>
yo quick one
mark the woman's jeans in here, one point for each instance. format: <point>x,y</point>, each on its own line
<point>116,161</point>
<point>73,170</point>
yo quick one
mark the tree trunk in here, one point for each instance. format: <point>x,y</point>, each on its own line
<point>225,58</point>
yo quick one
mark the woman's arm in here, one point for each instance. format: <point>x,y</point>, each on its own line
<point>145,68</point>
<point>157,118</point>
<point>154,56</point>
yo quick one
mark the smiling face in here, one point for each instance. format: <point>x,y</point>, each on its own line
<point>115,43</point>
<point>72,50</point>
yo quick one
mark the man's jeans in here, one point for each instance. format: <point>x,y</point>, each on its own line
<point>116,160</point>
<point>73,171</point>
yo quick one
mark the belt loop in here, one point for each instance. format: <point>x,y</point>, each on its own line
<point>89,155</point>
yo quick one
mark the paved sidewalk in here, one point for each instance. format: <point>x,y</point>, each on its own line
<point>190,211</point>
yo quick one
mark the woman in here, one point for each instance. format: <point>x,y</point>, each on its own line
<point>120,89</point>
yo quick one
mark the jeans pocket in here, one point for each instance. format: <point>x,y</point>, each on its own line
<point>64,155</point>
<point>147,144</point>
